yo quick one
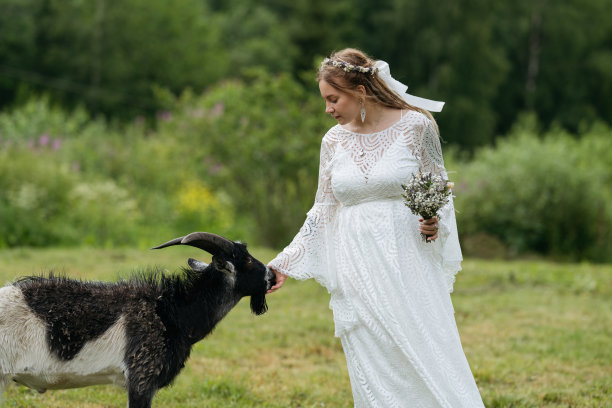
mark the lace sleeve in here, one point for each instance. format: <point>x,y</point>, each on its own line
<point>431,161</point>
<point>310,254</point>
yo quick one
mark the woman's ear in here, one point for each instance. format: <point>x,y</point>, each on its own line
<point>361,91</point>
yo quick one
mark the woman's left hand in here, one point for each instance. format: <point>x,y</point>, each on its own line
<point>430,228</point>
<point>280,280</point>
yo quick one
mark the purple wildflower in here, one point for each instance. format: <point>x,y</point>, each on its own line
<point>164,116</point>
<point>217,110</point>
<point>44,139</point>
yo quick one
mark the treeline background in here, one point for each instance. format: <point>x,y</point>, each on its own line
<point>127,122</point>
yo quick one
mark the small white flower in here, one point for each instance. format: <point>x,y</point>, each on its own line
<point>426,193</point>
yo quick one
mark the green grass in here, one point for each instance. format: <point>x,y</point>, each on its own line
<point>536,334</point>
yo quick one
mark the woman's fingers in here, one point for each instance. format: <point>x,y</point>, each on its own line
<point>429,227</point>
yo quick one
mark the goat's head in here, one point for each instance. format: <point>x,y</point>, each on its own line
<point>247,275</point>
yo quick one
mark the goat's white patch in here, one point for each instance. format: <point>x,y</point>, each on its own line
<point>230,269</point>
<point>230,273</point>
<point>197,265</point>
<point>25,356</point>
<point>270,277</point>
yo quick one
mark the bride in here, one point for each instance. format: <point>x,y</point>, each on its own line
<point>390,290</point>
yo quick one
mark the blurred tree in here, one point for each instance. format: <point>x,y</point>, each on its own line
<point>560,62</point>
<point>109,54</point>
<point>17,45</point>
<point>443,50</point>
<point>490,62</point>
<point>446,51</point>
<point>254,36</point>
<point>317,27</point>
<point>575,75</point>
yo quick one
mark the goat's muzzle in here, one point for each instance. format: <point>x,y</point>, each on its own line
<point>270,278</point>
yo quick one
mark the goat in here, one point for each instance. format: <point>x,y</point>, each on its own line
<point>58,333</point>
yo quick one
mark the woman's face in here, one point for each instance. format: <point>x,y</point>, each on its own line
<point>344,107</point>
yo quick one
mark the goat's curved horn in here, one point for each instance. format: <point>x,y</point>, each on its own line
<point>175,241</point>
<point>211,243</point>
<point>207,241</point>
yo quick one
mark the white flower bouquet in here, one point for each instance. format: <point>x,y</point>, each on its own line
<point>425,194</point>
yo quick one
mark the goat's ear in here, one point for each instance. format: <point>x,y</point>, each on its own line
<point>223,265</point>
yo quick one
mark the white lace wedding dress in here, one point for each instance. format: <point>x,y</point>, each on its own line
<point>390,291</point>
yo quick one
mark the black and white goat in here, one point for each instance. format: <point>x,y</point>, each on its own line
<point>58,333</point>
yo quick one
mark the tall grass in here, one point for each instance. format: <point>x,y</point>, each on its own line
<point>536,334</point>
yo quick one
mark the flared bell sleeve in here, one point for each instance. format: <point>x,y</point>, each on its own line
<point>311,253</point>
<point>449,249</point>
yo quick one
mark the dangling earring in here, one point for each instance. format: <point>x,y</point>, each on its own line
<point>363,112</point>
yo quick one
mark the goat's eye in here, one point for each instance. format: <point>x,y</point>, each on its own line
<point>249,261</point>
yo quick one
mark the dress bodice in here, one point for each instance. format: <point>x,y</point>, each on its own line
<point>371,167</point>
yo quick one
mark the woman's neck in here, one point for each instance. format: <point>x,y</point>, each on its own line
<point>377,118</point>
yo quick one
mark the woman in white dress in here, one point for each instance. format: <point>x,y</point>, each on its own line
<point>390,290</point>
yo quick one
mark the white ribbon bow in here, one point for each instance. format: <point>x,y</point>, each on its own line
<point>384,73</point>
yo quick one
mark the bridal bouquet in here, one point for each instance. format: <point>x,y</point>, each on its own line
<point>425,194</point>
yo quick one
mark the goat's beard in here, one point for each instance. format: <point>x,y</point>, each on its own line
<point>258,304</point>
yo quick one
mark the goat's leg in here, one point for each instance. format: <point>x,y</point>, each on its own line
<point>3,382</point>
<point>140,398</point>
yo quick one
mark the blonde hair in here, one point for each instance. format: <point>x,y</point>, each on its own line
<point>376,89</point>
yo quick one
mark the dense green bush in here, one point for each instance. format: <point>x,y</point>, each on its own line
<point>38,123</point>
<point>197,205</point>
<point>66,179</point>
<point>550,195</point>
<point>32,200</point>
<point>43,202</point>
<point>240,160</point>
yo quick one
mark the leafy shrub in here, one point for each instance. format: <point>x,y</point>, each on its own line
<point>257,142</point>
<point>32,198</point>
<point>102,213</point>
<point>38,123</point>
<point>199,208</point>
<point>44,202</point>
<point>549,195</point>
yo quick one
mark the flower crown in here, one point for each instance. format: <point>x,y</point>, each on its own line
<point>347,67</point>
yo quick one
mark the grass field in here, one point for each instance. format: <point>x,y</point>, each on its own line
<point>536,334</point>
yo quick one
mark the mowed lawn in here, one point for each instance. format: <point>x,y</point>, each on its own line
<point>536,334</point>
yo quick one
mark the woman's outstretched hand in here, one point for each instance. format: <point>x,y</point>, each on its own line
<point>430,228</point>
<point>280,280</point>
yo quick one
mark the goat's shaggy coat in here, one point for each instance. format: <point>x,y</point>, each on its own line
<point>60,333</point>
